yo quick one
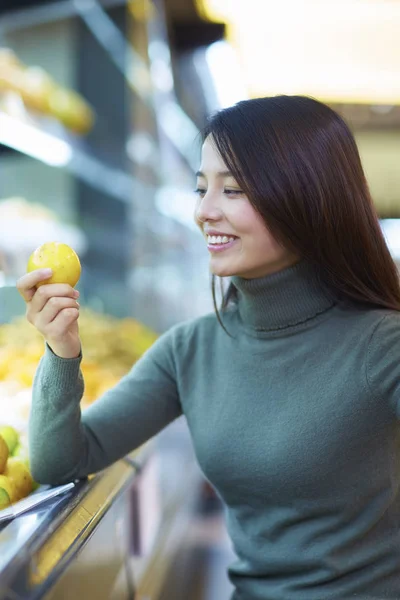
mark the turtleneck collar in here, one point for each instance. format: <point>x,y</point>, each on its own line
<point>282,300</point>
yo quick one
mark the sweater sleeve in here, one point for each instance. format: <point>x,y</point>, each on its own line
<point>65,444</point>
<point>383,361</point>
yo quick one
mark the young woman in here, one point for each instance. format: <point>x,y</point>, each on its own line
<point>292,391</point>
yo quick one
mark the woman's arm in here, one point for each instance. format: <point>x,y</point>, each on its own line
<point>65,445</point>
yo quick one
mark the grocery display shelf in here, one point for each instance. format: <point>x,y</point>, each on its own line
<point>113,535</point>
<point>29,16</point>
<point>144,82</point>
<point>51,144</point>
<point>36,547</point>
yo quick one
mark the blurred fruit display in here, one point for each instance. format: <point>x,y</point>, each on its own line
<point>110,348</point>
<point>16,481</point>
<point>41,94</point>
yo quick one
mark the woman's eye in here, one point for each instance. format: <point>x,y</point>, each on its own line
<point>229,192</point>
<point>200,192</point>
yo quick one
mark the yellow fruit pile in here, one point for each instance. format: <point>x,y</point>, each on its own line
<point>110,347</point>
<point>42,94</point>
<point>15,479</point>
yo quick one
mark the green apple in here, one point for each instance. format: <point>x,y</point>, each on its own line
<point>10,436</point>
<point>21,452</point>
<point>5,492</point>
<point>4,499</point>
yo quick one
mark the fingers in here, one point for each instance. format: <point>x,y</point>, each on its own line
<point>26,285</point>
<point>52,290</point>
<point>54,306</point>
<point>63,323</point>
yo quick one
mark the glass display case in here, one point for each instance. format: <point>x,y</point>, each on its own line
<point>118,190</point>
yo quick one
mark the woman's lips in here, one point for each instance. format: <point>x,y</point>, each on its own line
<point>221,247</point>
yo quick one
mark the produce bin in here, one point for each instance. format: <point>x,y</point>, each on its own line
<point>111,536</point>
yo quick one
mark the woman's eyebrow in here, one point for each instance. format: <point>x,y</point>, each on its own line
<point>220,174</point>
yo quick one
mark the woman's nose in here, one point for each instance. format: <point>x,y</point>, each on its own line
<point>207,209</point>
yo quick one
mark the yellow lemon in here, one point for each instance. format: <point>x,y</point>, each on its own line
<point>4,453</point>
<point>10,436</point>
<point>59,257</point>
<point>19,477</point>
<point>6,491</point>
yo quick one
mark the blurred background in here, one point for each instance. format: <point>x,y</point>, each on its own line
<point>101,104</point>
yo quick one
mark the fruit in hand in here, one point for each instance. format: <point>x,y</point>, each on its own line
<point>10,436</point>
<point>4,453</point>
<point>19,477</point>
<point>61,258</point>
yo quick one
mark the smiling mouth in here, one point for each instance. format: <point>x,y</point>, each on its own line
<point>220,246</point>
<point>218,240</point>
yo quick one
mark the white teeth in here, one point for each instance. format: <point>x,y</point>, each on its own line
<point>214,239</point>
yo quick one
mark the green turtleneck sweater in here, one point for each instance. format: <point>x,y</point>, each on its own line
<point>294,420</point>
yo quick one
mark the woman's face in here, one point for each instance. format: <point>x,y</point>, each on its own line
<point>237,238</point>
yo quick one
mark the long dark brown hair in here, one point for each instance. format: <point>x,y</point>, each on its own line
<point>298,163</point>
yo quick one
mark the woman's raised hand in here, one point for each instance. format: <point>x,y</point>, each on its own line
<point>54,311</point>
